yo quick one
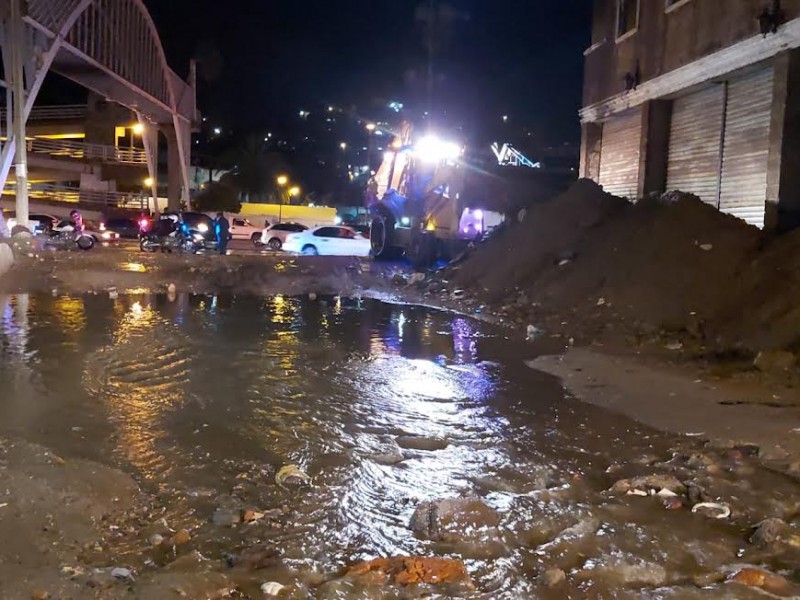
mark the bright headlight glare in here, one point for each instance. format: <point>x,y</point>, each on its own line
<point>432,149</point>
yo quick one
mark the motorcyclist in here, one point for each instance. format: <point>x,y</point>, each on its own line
<point>76,220</point>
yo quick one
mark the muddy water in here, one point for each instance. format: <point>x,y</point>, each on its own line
<point>204,398</point>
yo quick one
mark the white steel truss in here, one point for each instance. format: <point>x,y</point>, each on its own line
<point>109,46</point>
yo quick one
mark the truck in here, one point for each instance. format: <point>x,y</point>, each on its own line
<point>423,201</point>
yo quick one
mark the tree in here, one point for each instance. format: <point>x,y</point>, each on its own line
<point>218,196</point>
<point>255,169</point>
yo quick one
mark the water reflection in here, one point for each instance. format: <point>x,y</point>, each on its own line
<point>187,392</point>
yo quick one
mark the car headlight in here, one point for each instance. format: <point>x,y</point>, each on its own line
<point>405,221</point>
<point>202,227</point>
<point>106,235</point>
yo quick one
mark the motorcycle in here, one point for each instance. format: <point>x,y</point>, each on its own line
<point>65,237</point>
<point>180,240</point>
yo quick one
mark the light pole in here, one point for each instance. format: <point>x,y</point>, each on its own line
<point>18,108</point>
<point>370,132</point>
<point>281,180</point>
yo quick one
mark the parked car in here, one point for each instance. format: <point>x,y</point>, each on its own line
<point>40,223</point>
<point>242,229</point>
<point>330,241</point>
<point>125,227</point>
<point>275,235</point>
<point>100,233</point>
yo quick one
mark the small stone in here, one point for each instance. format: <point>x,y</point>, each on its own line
<point>156,539</point>
<point>768,532</point>
<point>226,517</point>
<point>40,595</point>
<point>708,579</point>
<point>122,573</point>
<point>553,578</point>
<point>258,557</point>
<point>271,588</point>
<point>249,515</point>
<point>673,503</point>
<point>181,537</point>
<point>411,442</point>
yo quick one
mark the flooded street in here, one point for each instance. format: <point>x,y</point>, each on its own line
<point>203,400</point>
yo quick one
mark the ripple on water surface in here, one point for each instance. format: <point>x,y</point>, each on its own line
<point>205,398</point>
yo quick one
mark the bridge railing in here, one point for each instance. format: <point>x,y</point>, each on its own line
<point>89,199</point>
<point>83,151</point>
<point>48,113</point>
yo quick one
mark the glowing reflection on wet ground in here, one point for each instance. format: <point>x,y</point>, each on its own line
<point>203,398</point>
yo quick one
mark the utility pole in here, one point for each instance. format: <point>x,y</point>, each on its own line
<point>18,84</point>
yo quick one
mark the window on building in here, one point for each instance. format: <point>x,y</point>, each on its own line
<point>627,16</point>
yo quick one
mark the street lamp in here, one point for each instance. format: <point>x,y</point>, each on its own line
<point>370,131</point>
<point>281,180</point>
<point>148,182</point>
<point>294,191</point>
<point>136,129</point>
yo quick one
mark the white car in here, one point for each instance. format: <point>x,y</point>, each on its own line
<point>330,241</point>
<point>275,235</point>
<point>242,229</point>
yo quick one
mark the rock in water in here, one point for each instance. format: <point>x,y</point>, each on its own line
<point>411,570</point>
<point>271,588</point>
<point>452,517</point>
<point>553,578</point>
<point>412,442</point>
<point>768,532</point>
<point>226,517</point>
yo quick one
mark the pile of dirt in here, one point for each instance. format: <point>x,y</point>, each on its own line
<point>664,264</point>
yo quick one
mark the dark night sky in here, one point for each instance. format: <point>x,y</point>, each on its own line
<point>263,61</point>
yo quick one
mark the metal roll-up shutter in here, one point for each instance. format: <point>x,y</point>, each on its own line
<point>695,143</point>
<point>619,154</point>
<point>746,148</point>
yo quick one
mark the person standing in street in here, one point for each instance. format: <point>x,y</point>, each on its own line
<point>222,227</point>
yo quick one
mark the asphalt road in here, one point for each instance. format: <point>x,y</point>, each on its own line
<point>236,247</point>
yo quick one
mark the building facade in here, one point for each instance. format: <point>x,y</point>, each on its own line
<point>701,96</point>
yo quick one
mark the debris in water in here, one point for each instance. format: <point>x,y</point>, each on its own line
<point>458,294</point>
<point>601,301</point>
<point>112,293</point>
<point>532,332</point>
<point>715,510</point>
<point>412,570</point>
<point>290,472</point>
<point>706,247</point>
<point>272,588</point>
<point>122,573</point>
